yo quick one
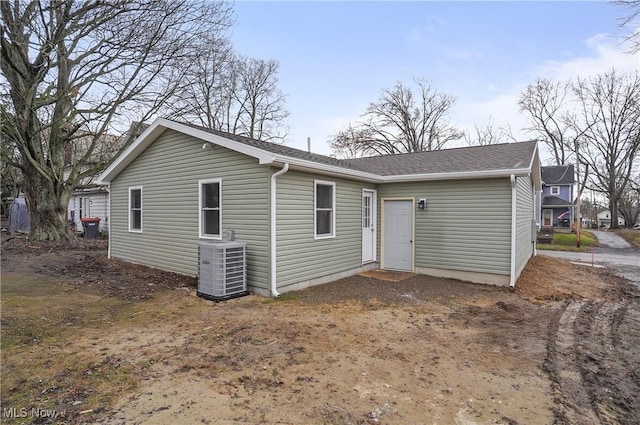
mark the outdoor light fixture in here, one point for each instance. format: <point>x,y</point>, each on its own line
<point>422,204</point>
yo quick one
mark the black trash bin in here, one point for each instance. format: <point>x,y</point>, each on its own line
<point>91,226</point>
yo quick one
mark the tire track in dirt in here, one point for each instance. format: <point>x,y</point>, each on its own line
<point>593,362</point>
<point>572,400</point>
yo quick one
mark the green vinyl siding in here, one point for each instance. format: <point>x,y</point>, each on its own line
<point>524,220</point>
<point>301,257</point>
<point>466,225</point>
<point>168,172</point>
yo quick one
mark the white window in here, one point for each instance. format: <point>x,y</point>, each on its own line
<point>135,209</point>
<point>325,201</point>
<point>366,212</point>
<point>210,201</point>
<point>555,190</point>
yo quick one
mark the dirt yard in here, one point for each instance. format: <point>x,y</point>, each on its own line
<point>88,340</point>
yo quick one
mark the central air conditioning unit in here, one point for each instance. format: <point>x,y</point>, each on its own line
<point>222,270</point>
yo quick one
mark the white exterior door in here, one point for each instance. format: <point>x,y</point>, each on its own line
<point>368,226</point>
<point>398,235</point>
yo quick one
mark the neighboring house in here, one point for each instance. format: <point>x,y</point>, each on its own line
<point>558,184</point>
<point>90,202</point>
<point>604,219</point>
<point>466,213</point>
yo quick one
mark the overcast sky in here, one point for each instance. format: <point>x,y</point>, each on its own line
<point>336,57</point>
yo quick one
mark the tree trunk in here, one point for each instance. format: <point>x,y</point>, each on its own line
<point>613,208</point>
<point>48,213</point>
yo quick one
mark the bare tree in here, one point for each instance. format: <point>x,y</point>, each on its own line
<point>235,94</point>
<point>401,121</point>
<point>75,71</point>
<point>487,134</point>
<point>589,209</point>
<point>630,21</point>
<point>352,142</point>
<point>545,101</point>
<point>629,203</point>
<point>608,122</point>
<point>10,177</point>
<point>207,89</point>
<point>260,111</point>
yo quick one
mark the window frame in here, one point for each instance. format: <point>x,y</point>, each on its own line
<point>201,233</point>
<point>130,210</point>
<point>554,190</point>
<point>317,183</point>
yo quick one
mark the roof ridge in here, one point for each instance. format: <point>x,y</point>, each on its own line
<point>441,150</point>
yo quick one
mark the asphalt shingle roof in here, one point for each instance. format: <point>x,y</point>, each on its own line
<point>275,147</point>
<point>558,174</point>
<point>504,156</point>
<point>554,201</point>
<point>472,158</point>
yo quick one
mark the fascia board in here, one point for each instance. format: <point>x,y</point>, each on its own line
<point>262,155</point>
<point>325,169</point>
<point>455,175</point>
<point>314,167</point>
<point>100,189</point>
<point>536,169</point>
<point>551,206</point>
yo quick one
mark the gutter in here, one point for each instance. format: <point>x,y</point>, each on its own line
<point>338,171</point>
<point>455,175</point>
<point>514,229</point>
<point>272,236</point>
<point>318,168</point>
<point>536,178</point>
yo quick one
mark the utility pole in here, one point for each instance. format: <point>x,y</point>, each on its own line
<point>578,201</point>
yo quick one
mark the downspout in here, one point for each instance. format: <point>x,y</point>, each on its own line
<point>514,228</point>
<point>272,237</point>
<point>109,218</point>
<point>537,204</point>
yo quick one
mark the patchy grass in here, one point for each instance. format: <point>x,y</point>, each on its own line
<point>567,242</point>
<point>344,352</point>
<point>39,369</point>
<point>630,235</point>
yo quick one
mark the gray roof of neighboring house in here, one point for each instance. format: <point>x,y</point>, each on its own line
<point>554,201</point>
<point>504,156</point>
<point>558,174</point>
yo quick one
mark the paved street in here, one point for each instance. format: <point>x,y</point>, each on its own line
<point>614,252</point>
